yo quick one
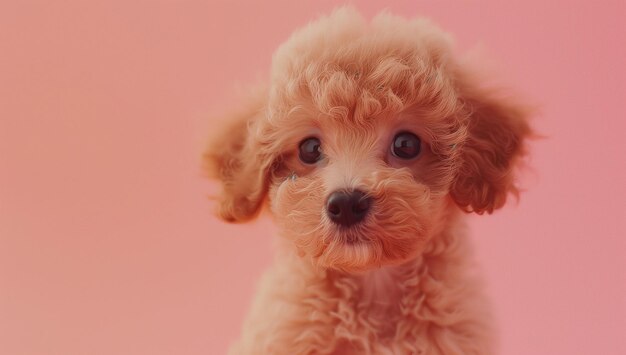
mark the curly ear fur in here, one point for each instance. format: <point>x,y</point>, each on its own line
<point>233,158</point>
<point>497,129</point>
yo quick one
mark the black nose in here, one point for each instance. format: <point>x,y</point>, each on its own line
<point>347,207</point>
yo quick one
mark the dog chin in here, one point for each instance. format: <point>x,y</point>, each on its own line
<point>354,252</point>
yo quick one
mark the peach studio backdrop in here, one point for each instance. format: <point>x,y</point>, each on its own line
<point>107,244</point>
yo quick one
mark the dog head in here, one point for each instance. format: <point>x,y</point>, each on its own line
<point>368,136</point>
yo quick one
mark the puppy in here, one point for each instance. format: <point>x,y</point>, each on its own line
<point>367,146</point>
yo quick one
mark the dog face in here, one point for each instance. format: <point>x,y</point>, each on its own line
<point>368,137</point>
<point>353,195</point>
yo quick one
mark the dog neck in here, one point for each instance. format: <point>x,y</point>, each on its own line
<point>379,287</point>
<point>390,293</point>
<point>392,302</point>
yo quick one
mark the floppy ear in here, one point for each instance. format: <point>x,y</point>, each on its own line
<point>234,157</point>
<point>496,132</point>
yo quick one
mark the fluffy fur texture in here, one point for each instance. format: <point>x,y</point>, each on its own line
<point>399,282</point>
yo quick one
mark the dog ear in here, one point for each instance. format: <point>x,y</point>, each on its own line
<point>496,132</point>
<point>234,157</point>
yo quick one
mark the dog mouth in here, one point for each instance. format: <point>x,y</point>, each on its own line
<point>351,236</point>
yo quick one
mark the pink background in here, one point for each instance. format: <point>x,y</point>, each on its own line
<point>107,245</point>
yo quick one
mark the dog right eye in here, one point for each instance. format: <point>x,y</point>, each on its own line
<point>310,150</point>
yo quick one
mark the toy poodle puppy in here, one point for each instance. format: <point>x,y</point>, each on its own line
<point>367,146</point>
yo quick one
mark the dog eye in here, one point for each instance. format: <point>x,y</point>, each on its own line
<point>310,150</point>
<point>406,145</point>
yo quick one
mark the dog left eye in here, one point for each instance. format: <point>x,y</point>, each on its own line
<point>406,145</point>
<point>310,150</point>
